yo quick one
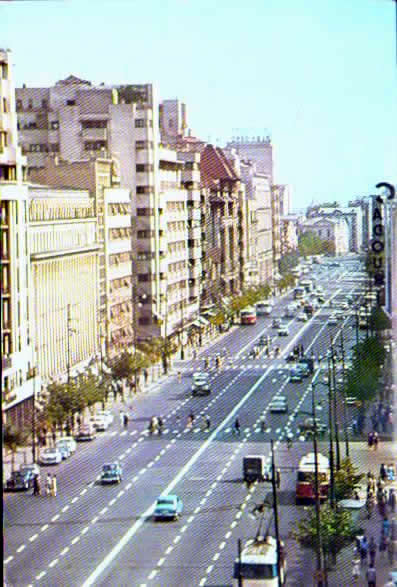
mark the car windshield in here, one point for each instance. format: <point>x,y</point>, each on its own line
<point>166,501</point>
<point>107,468</point>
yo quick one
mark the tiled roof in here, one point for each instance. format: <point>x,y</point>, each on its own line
<point>215,166</point>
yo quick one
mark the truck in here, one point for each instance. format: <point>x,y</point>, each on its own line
<point>255,468</point>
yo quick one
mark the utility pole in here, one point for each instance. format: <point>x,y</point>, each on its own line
<point>317,495</point>
<point>182,326</point>
<point>240,579</point>
<point>275,513</point>
<point>34,373</point>
<point>345,428</point>
<point>69,332</point>
<point>331,442</point>
<point>336,423</point>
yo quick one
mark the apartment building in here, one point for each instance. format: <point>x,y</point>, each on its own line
<point>64,267</point>
<point>112,204</point>
<point>19,378</point>
<point>221,226</point>
<point>288,235</point>
<point>276,230</point>
<point>259,150</point>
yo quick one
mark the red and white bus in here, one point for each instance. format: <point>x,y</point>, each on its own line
<point>248,315</point>
<point>305,480</point>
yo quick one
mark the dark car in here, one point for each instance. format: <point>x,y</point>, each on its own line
<point>276,323</point>
<point>20,481</point>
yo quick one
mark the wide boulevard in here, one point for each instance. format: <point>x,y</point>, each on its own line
<point>105,535</point>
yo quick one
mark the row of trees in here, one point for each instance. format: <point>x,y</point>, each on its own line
<point>311,244</point>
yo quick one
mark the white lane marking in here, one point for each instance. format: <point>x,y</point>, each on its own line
<point>64,551</point>
<point>94,520</point>
<point>75,540</point>
<point>41,575</point>
<point>21,548</point>
<point>169,549</point>
<point>177,539</point>
<point>53,563</point>
<point>83,491</point>
<point>74,500</point>
<point>8,559</point>
<point>161,560</point>
<point>152,575</point>
<point>181,474</point>
<point>216,556</point>
<point>228,534</point>
<point>112,501</point>
<point>65,509</point>
<point>105,509</point>
<point>190,519</point>
<point>128,486</point>
<point>54,518</point>
<point>209,569</point>
<point>85,530</point>
<point>32,538</point>
<point>203,582</point>
<point>44,527</point>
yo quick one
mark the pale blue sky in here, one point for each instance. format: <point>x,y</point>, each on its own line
<point>319,74</point>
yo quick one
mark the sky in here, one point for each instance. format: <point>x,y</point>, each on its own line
<point>319,77</point>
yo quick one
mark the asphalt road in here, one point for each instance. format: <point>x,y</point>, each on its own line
<point>94,535</point>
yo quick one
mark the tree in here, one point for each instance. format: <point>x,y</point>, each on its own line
<point>378,320</point>
<point>310,244</point>
<point>346,479</point>
<point>336,530</point>
<point>288,262</point>
<point>13,438</point>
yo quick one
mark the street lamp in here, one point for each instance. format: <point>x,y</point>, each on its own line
<point>34,373</point>
<point>317,494</point>
<point>331,440</point>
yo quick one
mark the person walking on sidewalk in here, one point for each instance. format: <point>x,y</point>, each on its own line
<point>48,484</point>
<point>376,440</point>
<point>372,551</point>
<point>36,485</point>
<point>371,576</point>
<point>364,550</point>
<point>392,500</point>
<point>237,427</point>
<point>54,487</point>
<point>355,566</point>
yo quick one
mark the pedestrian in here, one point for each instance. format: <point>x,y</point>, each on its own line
<point>383,544</point>
<point>191,416</point>
<point>160,424</point>
<point>278,478</point>
<point>355,566</point>
<point>179,376</point>
<point>364,550</point>
<point>54,436</point>
<point>125,420</point>
<point>386,526</point>
<point>376,440</point>
<point>48,484</point>
<point>207,422</point>
<point>121,417</point>
<point>370,439</point>
<point>392,500</point>
<point>372,551</point>
<point>390,552</point>
<point>237,427</point>
<point>383,472</point>
<point>145,375</point>
<point>371,576</point>
<point>36,485</point>
<point>54,486</point>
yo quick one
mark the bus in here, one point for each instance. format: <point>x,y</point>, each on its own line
<point>257,566</point>
<point>299,293</point>
<point>263,308</point>
<point>305,480</point>
<point>307,285</point>
<point>248,315</point>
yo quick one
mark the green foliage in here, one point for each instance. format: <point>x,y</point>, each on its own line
<point>336,529</point>
<point>310,244</point>
<point>378,320</point>
<point>288,262</point>
<point>14,437</point>
<point>346,479</point>
<point>363,378</point>
<point>287,281</point>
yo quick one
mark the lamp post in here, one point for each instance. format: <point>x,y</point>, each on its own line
<point>345,428</point>
<point>34,373</point>
<point>275,513</point>
<point>331,441</point>
<point>336,423</point>
<point>317,494</point>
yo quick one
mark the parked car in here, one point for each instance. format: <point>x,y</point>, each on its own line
<point>70,441</point>
<point>50,456</point>
<point>108,415</point>
<point>302,317</point>
<point>111,473</point>
<point>19,481</point>
<point>63,448</point>
<point>308,425</point>
<point>33,468</point>
<point>168,507</point>
<point>100,422</point>
<point>86,432</point>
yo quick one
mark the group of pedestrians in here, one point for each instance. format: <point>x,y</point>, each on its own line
<point>382,417</point>
<point>156,425</point>
<point>378,494</point>
<point>50,485</point>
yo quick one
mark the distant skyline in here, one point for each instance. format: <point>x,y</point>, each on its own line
<point>318,77</point>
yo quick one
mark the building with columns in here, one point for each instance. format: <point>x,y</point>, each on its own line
<point>332,230</point>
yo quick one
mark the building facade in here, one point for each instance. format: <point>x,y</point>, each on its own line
<point>353,218</point>
<point>19,378</point>
<point>65,271</point>
<point>332,230</point>
<point>288,235</point>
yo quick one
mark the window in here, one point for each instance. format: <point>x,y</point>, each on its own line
<point>139,123</point>
<point>5,105</point>
<point>143,277</point>
<point>93,124</point>
<point>44,104</point>
<point>54,125</point>
<point>4,70</point>
<point>94,145</point>
<point>70,102</point>
<point>19,105</point>
<point>54,147</point>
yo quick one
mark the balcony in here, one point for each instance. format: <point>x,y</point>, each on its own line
<point>195,252</point>
<point>95,134</point>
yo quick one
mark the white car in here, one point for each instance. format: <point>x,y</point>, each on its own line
<point>100,421</point>
<point>201,383</point>
<point>70,441</point>
<point>50,456</point>
<point>283,330</point>
<point>108,414</point>
<point>332,320</point>
<point>302,317</point>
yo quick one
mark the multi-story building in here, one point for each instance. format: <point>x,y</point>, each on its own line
<point>259,150</point>
<point>19,378</point>
<point>221,226</point>
<point>112,204</point>
<point>285,199</point>
<point>288,235</point>
<point>365,205</point>
<point>173,121</point>
<point>276,230</point>
<point>332,230</point>
<point>64,267</point>
<point>353,217</point>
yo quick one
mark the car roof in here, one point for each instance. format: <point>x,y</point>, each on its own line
<point>169,496</point>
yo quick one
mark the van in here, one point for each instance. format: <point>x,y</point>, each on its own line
<point>263,308</point>
<point>255,468</point>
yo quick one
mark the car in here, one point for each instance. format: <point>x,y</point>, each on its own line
<point>296,375</point>
<point>264,340</point>
<point>108,414</point>
<point>278,405</point>
<point>201,383</point>
<point>321,299</point>
<point>64,449</point>
<point>100,422</point>
<point>308,425</point>
<point>168,507</point>
<point>19,481</point>
<point>332,320</point>
<point>86,432</point>
<point>50,456</point>
<point>70,441</point>
<point>276,323</point>
<point>302,317</point>
<point>283,330</point>
<point>33,468</point>
<point>111,473</point>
